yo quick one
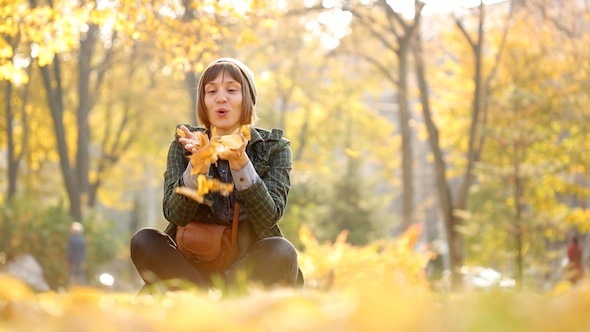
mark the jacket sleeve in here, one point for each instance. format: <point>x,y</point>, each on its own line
<point>179,209</point>
<point>265,201</point>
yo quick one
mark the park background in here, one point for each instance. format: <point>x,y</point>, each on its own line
<point>428,138</point>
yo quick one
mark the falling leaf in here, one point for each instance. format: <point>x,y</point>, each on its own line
<point>205,185</point>
<point>190,193</point>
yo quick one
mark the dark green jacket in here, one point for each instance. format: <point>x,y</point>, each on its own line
<point>264,202</point>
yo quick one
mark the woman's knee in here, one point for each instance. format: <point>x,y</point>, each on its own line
<point>274,261</point>
<point>278,248</point>
<point>144,240</point>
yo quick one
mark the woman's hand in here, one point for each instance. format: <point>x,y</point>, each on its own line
<point>237,158</point>
<point>188,139</point>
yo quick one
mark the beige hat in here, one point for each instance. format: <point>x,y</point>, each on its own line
<point>246,72</point>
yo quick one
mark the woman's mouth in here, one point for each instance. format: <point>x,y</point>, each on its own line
<point>222,111</point>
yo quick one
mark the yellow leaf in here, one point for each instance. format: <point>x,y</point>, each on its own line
<point>233,141</point>
<point>190,193</point>
<point>203,139</point>
<point>5,51</point>
<point>246,131</point>
<point>205,185</point>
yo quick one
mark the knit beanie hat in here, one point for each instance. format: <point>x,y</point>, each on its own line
<point>246,73</point>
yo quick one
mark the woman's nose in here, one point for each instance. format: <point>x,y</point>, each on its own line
<point>221,98</point>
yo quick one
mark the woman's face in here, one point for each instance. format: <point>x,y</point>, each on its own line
<point>223,102</point>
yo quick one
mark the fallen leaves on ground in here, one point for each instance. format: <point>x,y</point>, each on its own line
<point>380,287</point>
<point>369,307</point>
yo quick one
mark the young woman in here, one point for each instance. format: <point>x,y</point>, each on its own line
<point>260,171</point>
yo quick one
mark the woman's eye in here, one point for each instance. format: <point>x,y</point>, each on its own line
<point>210,91</point>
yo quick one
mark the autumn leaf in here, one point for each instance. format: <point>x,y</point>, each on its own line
<point>190,193</point>
<point>246,131</point>
<point>206,185</point>
<point>205,155</point>
<point>232,142</point>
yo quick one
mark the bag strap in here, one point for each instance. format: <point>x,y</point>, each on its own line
<point>234,225</point>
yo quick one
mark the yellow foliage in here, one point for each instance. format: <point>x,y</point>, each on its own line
<point>13,289</point>
<point>5,49</point>
<point>370,306</point>
<point>341,265</point>
<point>580,219</point>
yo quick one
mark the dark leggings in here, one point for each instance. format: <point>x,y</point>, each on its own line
<point>270,261</point>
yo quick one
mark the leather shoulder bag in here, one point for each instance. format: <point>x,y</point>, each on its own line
<point>209,246</point>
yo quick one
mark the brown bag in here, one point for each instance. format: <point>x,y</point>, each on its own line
<point>210,246</point>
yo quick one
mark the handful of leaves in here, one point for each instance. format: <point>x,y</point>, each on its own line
<point>208,153</point>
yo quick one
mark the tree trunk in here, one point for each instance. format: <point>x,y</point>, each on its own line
<point>192,80</point>
<point>404,127</point>
<point>87,46</point>
<point>55,101</point>
<point>12,161</point>
<point>303,135</point>
<point>518,193</point>
<point>477,106</point>
<point>114,143</point>
<point>444,189</point>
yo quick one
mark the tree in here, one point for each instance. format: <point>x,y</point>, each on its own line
<point>85,43</point>
<point>15,114</point>
<point>341,146</point>
<point>475,136</point>
<point>395,33</point>
<point>532,129</point>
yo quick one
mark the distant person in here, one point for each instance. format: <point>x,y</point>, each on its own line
<point>574,255</point>
<point>76,255</point>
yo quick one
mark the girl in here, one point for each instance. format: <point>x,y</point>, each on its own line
<point>260,171</point>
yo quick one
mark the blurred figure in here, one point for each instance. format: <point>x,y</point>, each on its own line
<point>574,255</point>
<point>76,255</point>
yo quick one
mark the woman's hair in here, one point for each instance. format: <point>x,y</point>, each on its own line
<point>239,72</point>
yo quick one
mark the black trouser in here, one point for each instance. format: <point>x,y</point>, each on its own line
<point>270,261</point>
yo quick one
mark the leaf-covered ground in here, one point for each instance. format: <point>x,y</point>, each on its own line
<point>369,307</point>
<point>380,287</point>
